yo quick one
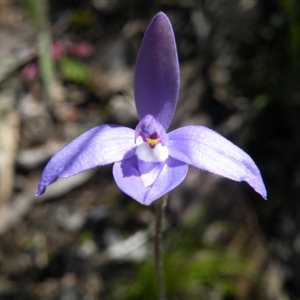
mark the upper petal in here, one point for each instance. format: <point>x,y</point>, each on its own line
<point>156,80</point>
<point>100,145</point>
<point>209,151</point>
<point>127,176</point>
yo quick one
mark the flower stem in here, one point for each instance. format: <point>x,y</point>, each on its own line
<point>160,205</point>
<point>44,48</point>
<point>39,14</point>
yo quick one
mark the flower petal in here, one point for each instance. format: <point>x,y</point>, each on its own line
<point>156,80</point>
<point>99,146</point>
<point>207,150</point>
<point>127,176</point>
<point>149,171</point>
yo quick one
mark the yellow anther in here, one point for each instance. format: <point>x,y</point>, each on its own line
<point>152,142</point>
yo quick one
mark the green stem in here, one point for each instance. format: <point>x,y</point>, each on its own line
<point>44,47</point>
<point>160,205</point>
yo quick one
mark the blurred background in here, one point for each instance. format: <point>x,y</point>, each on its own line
<point>66,66</point>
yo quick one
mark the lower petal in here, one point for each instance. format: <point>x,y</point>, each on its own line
<point>149,171</point>
<point>128,179</point>
<point>150,161</point>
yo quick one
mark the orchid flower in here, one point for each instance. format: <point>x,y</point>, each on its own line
<point>148,162</point>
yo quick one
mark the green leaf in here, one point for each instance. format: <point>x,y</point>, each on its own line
<point>74,70</point>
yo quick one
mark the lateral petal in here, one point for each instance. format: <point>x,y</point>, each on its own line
<point>156,79</point>
<point>207,150</point>
<point>98,146</point>
<point>128,179</point>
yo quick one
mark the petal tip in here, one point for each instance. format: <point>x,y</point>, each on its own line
<point>258,186</point>
<point>264,194</point>
<point>161,15</point>
<point>40,191</point>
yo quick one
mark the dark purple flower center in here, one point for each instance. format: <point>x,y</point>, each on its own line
<point>150,130</point>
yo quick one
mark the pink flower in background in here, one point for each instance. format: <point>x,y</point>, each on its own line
<point>30,72</point>
<point>58,49</point>
<point>81,49</point>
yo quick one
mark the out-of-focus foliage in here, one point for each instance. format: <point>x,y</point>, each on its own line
<point>74,70</point>
<point>192,275</point>
<point>291,9</point>
<point>32,8</point>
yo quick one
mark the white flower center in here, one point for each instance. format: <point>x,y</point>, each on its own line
<point>157,154</point>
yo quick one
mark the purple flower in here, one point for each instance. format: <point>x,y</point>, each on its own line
<point>148,162</point>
